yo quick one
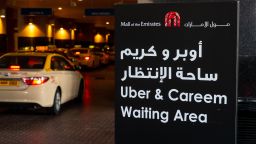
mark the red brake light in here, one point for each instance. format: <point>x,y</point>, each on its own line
<point>35,80</point>
<point>14,67</point>
<point>87,58</point>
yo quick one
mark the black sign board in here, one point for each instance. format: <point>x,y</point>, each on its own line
<point>36,11</point>
<point>99,12</point>
<point>176,73</point>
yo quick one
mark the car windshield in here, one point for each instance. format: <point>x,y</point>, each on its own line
<point>24,62</point>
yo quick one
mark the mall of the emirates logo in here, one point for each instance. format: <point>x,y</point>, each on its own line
<point>172,19</point>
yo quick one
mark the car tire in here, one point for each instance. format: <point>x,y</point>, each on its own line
<point>56,107</point>
<point>80,94</point>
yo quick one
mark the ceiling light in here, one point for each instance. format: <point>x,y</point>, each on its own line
<point>2,13</point>
<point>79,0</point>
<point>107,23</point>
<point>59,8</point>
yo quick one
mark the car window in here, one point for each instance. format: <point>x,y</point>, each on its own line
<point>95,51</point>
<point>59,63</point>
<point>24,62</point>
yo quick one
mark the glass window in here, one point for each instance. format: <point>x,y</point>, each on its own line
<point>24,62</point>
<point>59,63</point>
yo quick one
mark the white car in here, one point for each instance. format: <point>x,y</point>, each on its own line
<point>42,79</point>
<point>86,57</point>
<point>104,57</point>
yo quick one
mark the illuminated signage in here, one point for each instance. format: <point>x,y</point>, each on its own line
<point>99,12</point>
<point>176,73</point>
<point>36,11</point>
